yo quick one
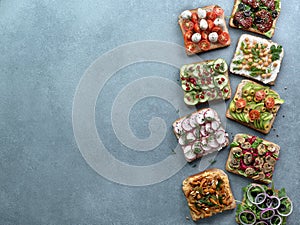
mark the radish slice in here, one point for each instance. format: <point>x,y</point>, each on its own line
<point>186,124</point>
<point>203,131</point>
<point>190,137</point>
<point>187,148</point>
<point>213,143</point>
<point>197,133</point>
<point>208,128</point>
<point>190,156</point>
<point>221,137</point>
<point>215,125</point>
<point>193,121</point>
<point>182,140</point>
<point>200,118</point>
<point>177,127</point>
<point>209,114</point>
<point>197,147</point>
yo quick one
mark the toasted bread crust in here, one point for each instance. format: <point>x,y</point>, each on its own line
<point>235,9</point>
<point>191,181</point>
<point>212,45</point>
<point>226,74</point>
<point>238,94</point>
<point>236,171</point>
<point>242,37</point>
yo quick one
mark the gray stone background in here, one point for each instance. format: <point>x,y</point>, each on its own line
<point>45,48</point>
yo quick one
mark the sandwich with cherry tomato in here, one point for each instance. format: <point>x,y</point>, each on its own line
<point>258,16</point>
<point>204,29</point>
<point>254,106</point>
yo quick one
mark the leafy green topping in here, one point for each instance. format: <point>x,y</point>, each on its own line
<point>238,61</point>
<point>276,51</point>
<point>234,144</point>
<point>281,193</point>
<point>256,143</point>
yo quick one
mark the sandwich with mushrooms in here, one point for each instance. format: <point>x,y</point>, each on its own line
<point>253,157</point>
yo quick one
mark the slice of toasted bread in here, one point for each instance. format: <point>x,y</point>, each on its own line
<point>262,125</point>
<point>257,163</point>
<point>260,64</point>
<point>208,193</point>
<point>200,133</point>
<point>213,45</point>
<point>209,83</point>
<point>253,29</point>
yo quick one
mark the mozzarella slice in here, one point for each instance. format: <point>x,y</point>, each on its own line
<point>203,24</point>
<point>219,22</point>
<point>201,13</point>
<point>196,37</point>
<point>213,37</point>
<point>187,14</point>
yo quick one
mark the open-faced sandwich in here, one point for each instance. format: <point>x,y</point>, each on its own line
<point>252,157</point>
<point>263,205</point>
<point>205,81</point>
<point>258,16</point>
<point>255,106</point>
<point>200,133</point>
<point>208,193</point>
<point>257,58</point>
<point>204,29</point>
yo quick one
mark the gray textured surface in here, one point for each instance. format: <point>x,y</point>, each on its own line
<point>45,48</point>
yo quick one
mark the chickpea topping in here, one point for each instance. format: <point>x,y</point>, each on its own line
<point>258,67</point>
<point>260,62</point>
<point>265,53</point>
<point>259,46</point>
<point>246,56</point>
<point>244,62</point>
<point>247,67</point>
<point>240,66</point>
<point>275,64</point>
<point>269,60</point>
<point>266,64</point>
<point>255,64</point>
<point>264,75</point>
<point>261,54</point>
<point>263,68</point>
<point>250,46</point>
<point>270,56</point>
<point>250,55</point>
<point>250,60</point>
<point>269,75</point>
<point>246,39</point>
<point>265,44</point>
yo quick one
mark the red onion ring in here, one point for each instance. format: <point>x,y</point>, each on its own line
<point>280,218</point>
<point>257,202</point>
<point>261,223</point>
<point>247,211</point>
<point>266,210</point>
<point>254,186</point>
<point>289,213</point>
<point>277,199</point>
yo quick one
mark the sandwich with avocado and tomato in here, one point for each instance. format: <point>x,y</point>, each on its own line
<point>204,29</point>
<point>258,16</point>
<point>205,81</point>
<point>254,106</point>
<point>263,205</point>
<point>252,157</point>
<point>257,58</point>
<point>208,193</point>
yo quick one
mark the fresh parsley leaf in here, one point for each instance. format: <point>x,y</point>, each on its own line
<point>276,51</point>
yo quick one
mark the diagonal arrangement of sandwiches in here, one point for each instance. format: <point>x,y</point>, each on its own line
<point>254,105</point>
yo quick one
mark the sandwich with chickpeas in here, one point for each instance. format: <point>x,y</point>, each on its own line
<point>257,58</point>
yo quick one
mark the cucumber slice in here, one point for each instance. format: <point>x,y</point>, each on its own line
<point>234,115</point>
<point>185,88</point>
<point>259,105</point>
<point>220,66</point>
<point>220,81</point>
<point>239,116</point>
<point>203,97</point>
<point>190,98</point>
<point>279,101</point>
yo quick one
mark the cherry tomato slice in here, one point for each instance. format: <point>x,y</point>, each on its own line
<point>191,47</point>
<point>210,24</point>
<point>211,16</point>
<point>197,28</point>
<point>260,95</point>
<point>269,102</point>
<point>241,103</point>
<point>187,25</point>
<point>254,114</point>
<point>223,38</point>
<point>188,35</point>
<point>204,45</point>
<point>218,11</point>
<point>217,29</point>
<point>204,34</point>
<point>194,17</point>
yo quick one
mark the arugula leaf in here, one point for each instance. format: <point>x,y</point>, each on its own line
<point>281,193</point>
<point>256,143</point>
<point>238,61</point>
<point>276,51</point>
<point>234,144</point>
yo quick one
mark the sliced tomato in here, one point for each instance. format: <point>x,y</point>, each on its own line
<point>241,103</point>
<point>204,34</point>
<point>194,17</point>
<point>211,15</point>
<point>210,24</point>
<point>197,28</point>
<point>254,114</point>
<point>204,45</point>
<point>188,35</point>
<point>223,38</point>
<point>269,102</point>
<point>260,95</point>
<point>217,29</point>
<point>191,47</point>
<point>218,11</point>
<point>187,25</point>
